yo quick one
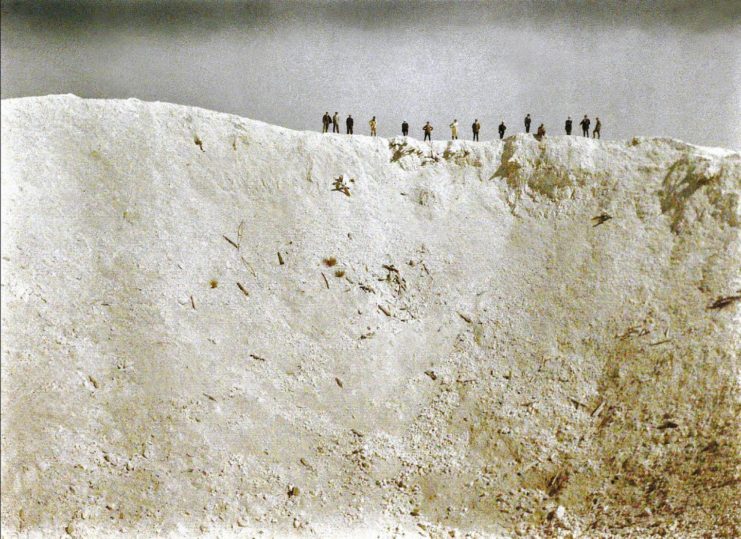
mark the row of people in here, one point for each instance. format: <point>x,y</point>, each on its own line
<point>585,123</point>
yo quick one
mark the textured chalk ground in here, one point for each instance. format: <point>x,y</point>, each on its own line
<point>206,333</point>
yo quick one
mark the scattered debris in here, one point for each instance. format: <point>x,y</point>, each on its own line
<point>597,409</point>
<point>198,142</point>
<point>724,301</point>
<point>431,374</point>
<point>712,446</point>
<point>366,288</point>
<point>634,331</point>
<point>357,433</point>
<point>466,318</point>
<point>659,342</point>
<point>280,259</point>
<point>93,381</point>
<point>214,283</point>
<point>249,266</point>
<point>414,512</point>
<point>394,278</point>
<point>339,382</point>
<point>293,491</point>
<point>367,335</point>
<point>341,186</point>
<point>240,233</point>
<point>577,403</point>
<point>330,261</point>
<point>384,310</point>
<point>209,397</point>
<point>667,425</point>
<point>192,302</point>
<point>557,483</point>
<point>230,241</point>
<point>326,282</point>
<point>243,289</point>
<point>258,358</point>
<point>339,273</point>
<point>601,218</point>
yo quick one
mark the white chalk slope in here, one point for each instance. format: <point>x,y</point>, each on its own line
<point>178,355</point>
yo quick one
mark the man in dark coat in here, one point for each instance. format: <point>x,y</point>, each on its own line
<point>569,123</point>
<point>326,120</point>
<point>503,128</point>
<point>527,123</point>
<point>404,128</point>
<point>597,128</point>
<point>476,127</point>
<point>585,126</point>
<point>349,123</point>
<point>428,132</point>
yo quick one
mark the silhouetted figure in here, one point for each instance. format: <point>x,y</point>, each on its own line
<point>569,124</point>
<point>476,127</point>
<point>585,126</point>
<point>336,122</point>
<point>326,120</point>
<point>428,132</point>
<point>597,128</point>
<point>454,130</point>
<point>502,129</point>
<point>349,123</point>
<point>372,125</point>
<point>540,135</point>
<point>527,123</point>
<point>405,128</point>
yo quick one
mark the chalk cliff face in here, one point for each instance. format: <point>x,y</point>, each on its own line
<point>216,326</point>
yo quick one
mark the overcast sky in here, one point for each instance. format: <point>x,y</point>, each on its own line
<point>645,68</point>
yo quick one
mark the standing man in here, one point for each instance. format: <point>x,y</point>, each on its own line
<point>349,123</point>
<point>326,120</point>
<point>405,128</point>
<point>597,128</point>
<point>585,126</point>
<point>454,130</point>
<point>372,125</point>
<point>568,125</point>
<point>476,128</point>
<point>527,123</point>
<point>503,128</point>
<point>336,122</point>
<point>428,132</point>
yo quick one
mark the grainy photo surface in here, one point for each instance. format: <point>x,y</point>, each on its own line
<point>370,269</point>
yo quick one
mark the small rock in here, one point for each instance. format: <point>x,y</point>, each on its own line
<point>241,522</point>
<point>70,529</point>
<point>560,512</point>
<point>293,491</point>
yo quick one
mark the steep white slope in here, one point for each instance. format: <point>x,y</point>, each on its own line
<point>178,354</point>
